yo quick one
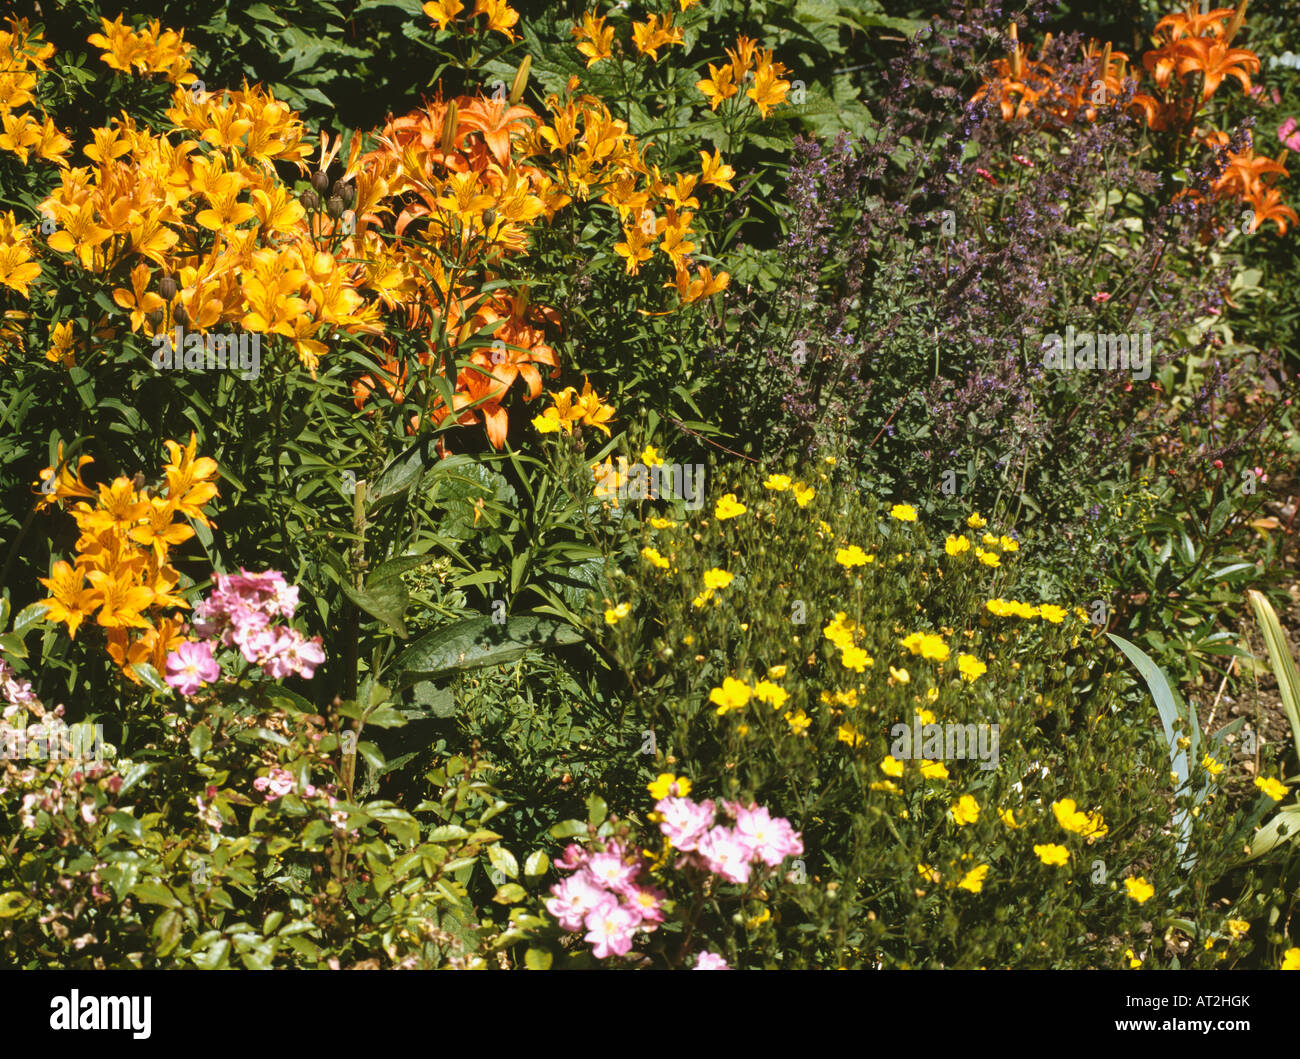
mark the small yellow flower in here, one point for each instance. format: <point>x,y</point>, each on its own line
<point>988,558</point>
<point>1273,788</point>
<point>990,540</point>
<point>1211,766</point>
<point>855,658</point>
<point>1291,960</point>
<point>731,696</point>
<point>975,522</point>
<point>927,645</point>
<point>973,880</point>
<point>668,784</point>
<point>934,770</point>
<point>650,457</point>
<point>716,578</point>
<point>729,507</point>
<point>1139,889</point>
<point>803,494</point>
<point>830,460</point>
<point>1051,853</point>
<point>798,721</point>
<point>956,545</point>
<point>1052,613</point>
<point>965,810</point>
<point>926,716</point>
<point>887,785</point>
<point>846,733</point>
<point>1133,962</point>
<point>928,873</point>
<point>971,668</point>
<point>891,766</point>
<point>1238,928</point>
<point>776,672</point>
<point>1008,544</point>
<point>652,556</point>
<point>932,694</point>
<point>774,694</point>
<point>778,483</point>
<point>900,675</point>
<point>903,512</point>
<point>1008,817</point>
<point>663,523</point>
<point>616,614</point>
<point>853,556</point>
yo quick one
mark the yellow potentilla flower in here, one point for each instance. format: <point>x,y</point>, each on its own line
<point>855,658</point>
<point>891,766</point>
<point>846,733</point>
<point>1090,825</point>
<point>778,483</point>
<point>668,784</point>
<point>1052,613</point>
<point>729,507</point>
<point>716,578</point>
<point>990,540</point>
<point>971,668</point>
<point>988,558</point>
<point>956,545</point>
<point>840,631</point>
<point>1211,766</point>
<point>803,494</point>
<point>1133,962</point>
<point>1023,610</point>
<point>853,556</point>
<point>663,523</point>
<point>1051,853</point>
<point>776,672</point>
<point>934,770</point>
<point>999,607</point>
<point>901,675</point>
<point>845,698</point>
<point>1139,889</point>
<point>798,721</point>
<point>653,557</point>
<point>903,512</point>
<point>774,694</point>
<point>1008,544</point>
<point>1008,817</point>
<point>731,696</point>
<point>887,785</point>
<point>1238,928</point>
<point>1291,960</point>
<point>928,873</point>
<point>975,522</point>
<point>650,456</point>
<point>1273,788</point>
<point>926,716</point>
<point>614,615</point>
<point>973,880</point>
<point>965,810</point>
<point>927,645</point>
<point>932,694</point>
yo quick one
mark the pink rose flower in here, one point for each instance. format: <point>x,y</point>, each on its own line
<point>725,854</point>
<point>610,929</point>
<point>191,666</point>
<point>710,961</point>
<point>768,839</point>
<point>573,898</point>
<point>684,822</point>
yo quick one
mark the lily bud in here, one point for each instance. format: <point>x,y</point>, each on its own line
<point>310,201</point>
<point>334,207</point>
<point>521,80</point>
<point>320,181</point>
<point>489,218</point>
<point>167,288</point>
<point>450,122</point>
<point>345,191</point>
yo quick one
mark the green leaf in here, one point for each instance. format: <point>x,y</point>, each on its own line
<point>167,932</point>
<point>1284,669</point>
<point>27,617</point>
<point>597,810</point>
<point>152,893</point>
<point>386,601</point>
<point>504,861</point>
<point>475,642</point>
<point>538,959</point>
<point>149,676</point>
<point>510,894</point>
<point>200,741</point>
<point>568,829</point>
<point>1284,827</point>
<point>536,864</point>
